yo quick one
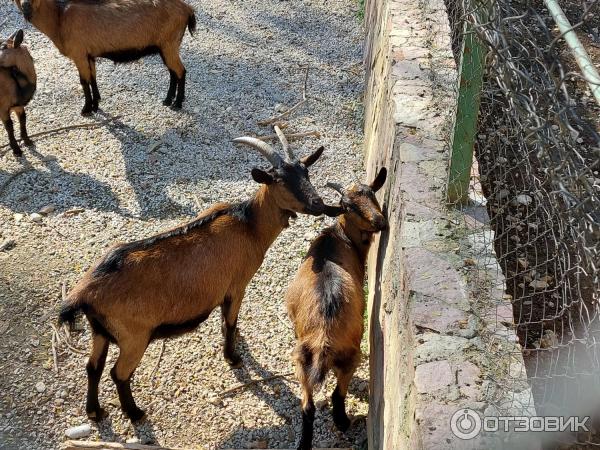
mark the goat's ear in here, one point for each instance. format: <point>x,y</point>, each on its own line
<point>260,176</point>
<point>379,179</point>
<point>311,159</point>
<point>333,211</point>
<point>18,38</point>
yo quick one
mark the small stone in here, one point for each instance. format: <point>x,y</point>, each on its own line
<point>35,217</point>
<point>261,443</point>
<point>322,404</point>
<point>40,386</point>
<point>7,244</point>
<point>132,440</point>
<point>79,431</point>
<point>214,399</point>
<point>48,209</point>
<point>523,262</point>
<point>18,217</point>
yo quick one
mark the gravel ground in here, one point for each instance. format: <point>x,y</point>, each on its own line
<point>151,169</point>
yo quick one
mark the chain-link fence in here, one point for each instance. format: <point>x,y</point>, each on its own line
<point>536,173</point>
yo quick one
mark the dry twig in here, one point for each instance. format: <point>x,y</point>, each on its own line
<point>160,355</point>
<point>292,109</point>
<point>68,127</point>
<point>291,137</point>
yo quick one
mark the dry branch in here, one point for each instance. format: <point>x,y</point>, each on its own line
<point>292,109</point>
<point>253,382</point>
<point>290,137</point>
<point>160,355</point>
<point>69,127</point>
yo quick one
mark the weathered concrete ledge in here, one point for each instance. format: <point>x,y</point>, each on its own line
<point>435,317</point>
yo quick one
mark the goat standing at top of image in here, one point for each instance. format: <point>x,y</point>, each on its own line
<point>326,303</point>
<point>166,285</point>
<point>119,30</point>
<point>17,86</point>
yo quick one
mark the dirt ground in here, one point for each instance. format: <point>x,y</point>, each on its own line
<point>149,169</point>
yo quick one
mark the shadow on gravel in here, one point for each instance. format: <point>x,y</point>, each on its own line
<point>279,396</point>
<point>144,432</point>
<point>27,190</point>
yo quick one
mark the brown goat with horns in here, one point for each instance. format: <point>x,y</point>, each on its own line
<point>17,85</point>
<point>326,302</point>
<point>120,30</point>
<point>166,285</point>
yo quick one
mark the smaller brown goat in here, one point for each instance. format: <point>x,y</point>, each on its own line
<point>169,283</point>
<point>17,86</point>
<point>326,302</point>
<point>119,30</point>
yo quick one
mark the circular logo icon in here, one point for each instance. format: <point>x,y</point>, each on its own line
<point>465,424</point>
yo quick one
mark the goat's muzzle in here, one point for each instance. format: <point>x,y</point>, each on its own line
<point>315,207</point>
<point>27,10</point>
<point>380,223</point>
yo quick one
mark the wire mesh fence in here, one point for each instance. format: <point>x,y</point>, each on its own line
<point>536,173</point>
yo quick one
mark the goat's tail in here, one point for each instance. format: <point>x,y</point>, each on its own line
<point>319,367</point>
<point>192,23</point>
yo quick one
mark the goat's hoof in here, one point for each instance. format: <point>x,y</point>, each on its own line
<point>304,446</point>
<point>136,414</point>
<point>342,422</point>
<point>97,415</point>
<point>177,106</point>
<point>167,101</point>
<point>27,141</point>
<point>17,152</point>
<point>87,110</point>
<point>95,107</point>
<point>234,360</point>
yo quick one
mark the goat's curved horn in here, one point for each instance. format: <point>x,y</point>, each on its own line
<point>284,143</point>
<point>263,148</point>
<point>336,187</point>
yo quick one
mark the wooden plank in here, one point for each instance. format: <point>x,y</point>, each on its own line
<point>465,125</point>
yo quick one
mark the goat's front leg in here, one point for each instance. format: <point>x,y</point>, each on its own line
<point>10,130</point>
<point>85,78</point>
<point>95,92</point>
<point>229,315</point>
<point>20,111</point>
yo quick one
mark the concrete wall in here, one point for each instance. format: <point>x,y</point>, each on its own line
<point>432,326</point>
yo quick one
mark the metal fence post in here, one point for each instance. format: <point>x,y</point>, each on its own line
<point>465,125</point>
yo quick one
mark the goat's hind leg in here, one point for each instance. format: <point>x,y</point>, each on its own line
<point>94,369</point>
<point>131,351</point>
<point>308,407</point>
<point>344,370</point>
<point>173,62</point>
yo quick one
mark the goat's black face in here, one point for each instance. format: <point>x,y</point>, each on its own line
<point>27,7</point>
<point>291,182</point>
<point>361,206</point>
